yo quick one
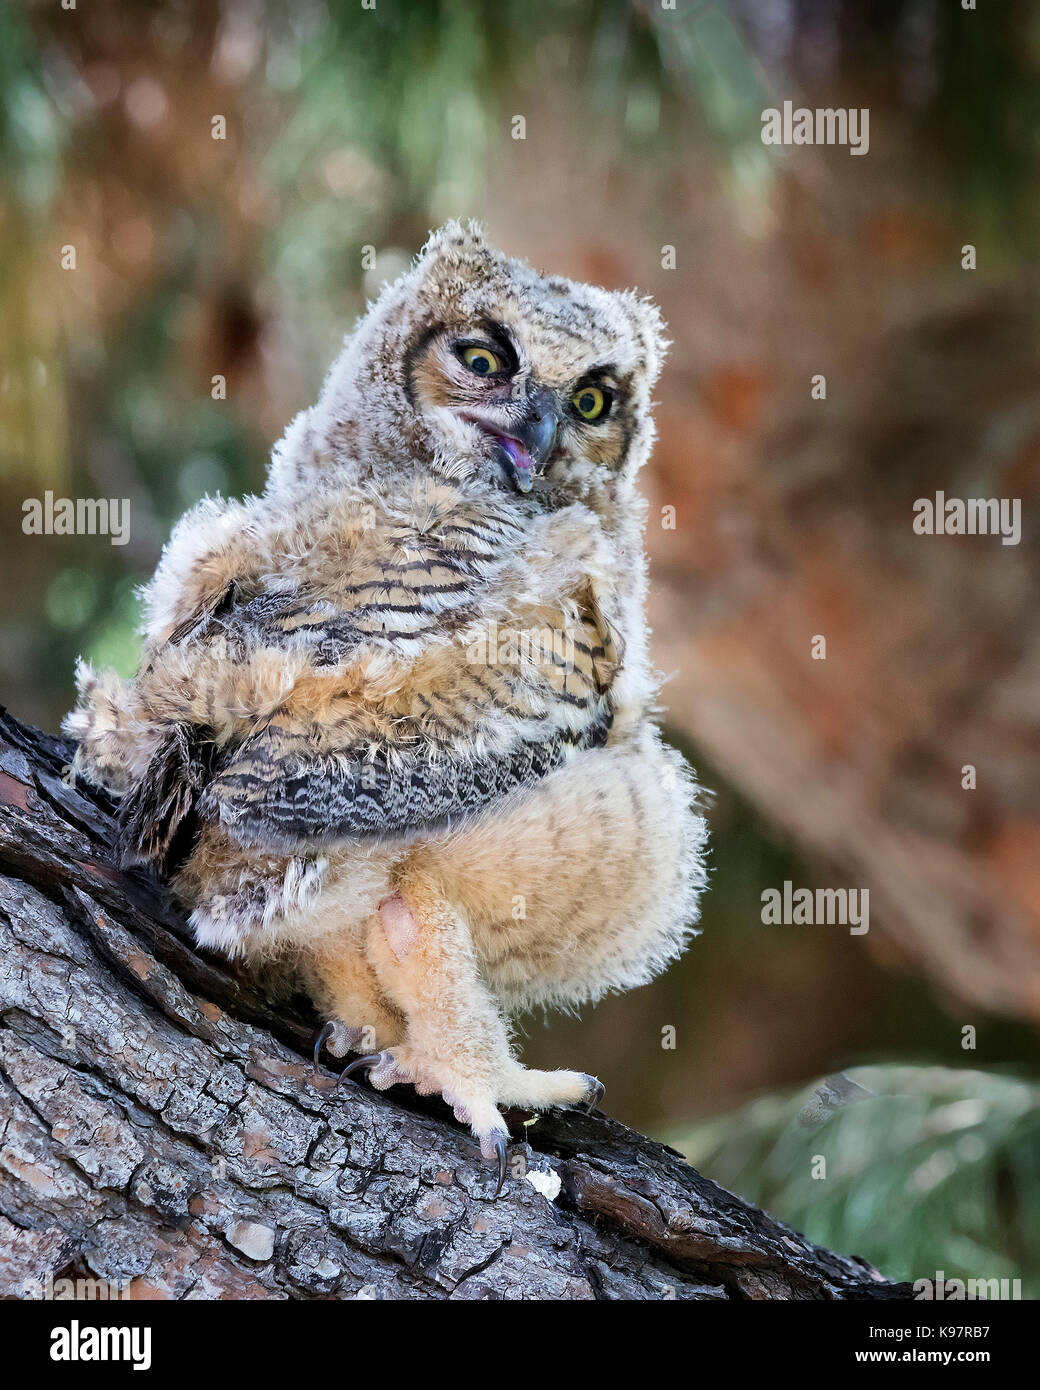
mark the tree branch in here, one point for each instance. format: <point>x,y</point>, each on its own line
<point>160,1126</point>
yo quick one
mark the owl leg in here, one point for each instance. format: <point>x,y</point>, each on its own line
<point>456,1043</point>
<point>360,1018</point>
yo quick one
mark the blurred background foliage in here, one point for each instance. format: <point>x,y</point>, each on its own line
<point>242,257</point>
<point>919,1169</point>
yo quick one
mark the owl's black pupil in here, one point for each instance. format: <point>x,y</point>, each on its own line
<point>481,366</point>
<point>588,403</point>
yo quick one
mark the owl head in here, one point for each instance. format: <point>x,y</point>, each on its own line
<point>476,367</point>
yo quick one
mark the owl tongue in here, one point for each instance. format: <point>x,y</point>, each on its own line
<point>520,460</point>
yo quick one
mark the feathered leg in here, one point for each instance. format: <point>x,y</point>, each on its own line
<point>456,1043</point>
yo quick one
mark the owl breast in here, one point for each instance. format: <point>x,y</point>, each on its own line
<point>402,579</point>
<point>462,640</point>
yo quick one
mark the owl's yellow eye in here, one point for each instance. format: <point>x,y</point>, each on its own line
<point>481,360</point>
<point>589,402</point>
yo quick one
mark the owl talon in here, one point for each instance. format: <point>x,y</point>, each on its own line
<point>500,1154</point>
<point>493,1147</point>
<point>319,1042</point>
<point>594,1095</point>
<point>367,1062</point>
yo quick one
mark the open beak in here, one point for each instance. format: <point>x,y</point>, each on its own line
<point>530,443</point>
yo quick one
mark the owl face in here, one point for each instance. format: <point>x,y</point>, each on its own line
<point>529,382</point>
<point>474,367</point>
<point>522,419</point>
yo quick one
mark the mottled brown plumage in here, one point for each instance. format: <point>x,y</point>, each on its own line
<point>394,716</point>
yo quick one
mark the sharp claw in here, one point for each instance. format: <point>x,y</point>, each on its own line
<point>319,1043</point>
<point>500,1151</point>
<point>367,1061</point>
<point>598,1092</point>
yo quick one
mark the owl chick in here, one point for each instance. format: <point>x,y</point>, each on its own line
<point>394,717</point>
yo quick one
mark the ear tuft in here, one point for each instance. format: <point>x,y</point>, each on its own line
<point>454,243</point>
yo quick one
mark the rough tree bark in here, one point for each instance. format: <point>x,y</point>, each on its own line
<point>160,1127</point>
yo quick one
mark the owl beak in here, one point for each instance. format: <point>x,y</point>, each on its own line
<point>532,443</point>
<point>538,432</point>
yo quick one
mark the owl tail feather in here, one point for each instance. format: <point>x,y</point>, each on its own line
<point>157,820</point>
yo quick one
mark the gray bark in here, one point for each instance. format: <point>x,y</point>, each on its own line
<point>160,1127</point>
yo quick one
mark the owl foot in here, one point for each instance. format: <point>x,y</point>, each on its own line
<point>468,1100</point>
<point>336,1038</point>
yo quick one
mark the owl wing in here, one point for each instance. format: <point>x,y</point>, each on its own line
<point>273,792</point>
<point>292,784</point>
<point>280,789</point>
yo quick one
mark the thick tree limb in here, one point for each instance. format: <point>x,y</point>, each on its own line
<point>160,1127</point>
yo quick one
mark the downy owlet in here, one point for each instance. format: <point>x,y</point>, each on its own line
<point>394,717</point>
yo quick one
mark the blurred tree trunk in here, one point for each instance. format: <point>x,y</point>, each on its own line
<point>162,1128</point>
<point>903,757</point>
